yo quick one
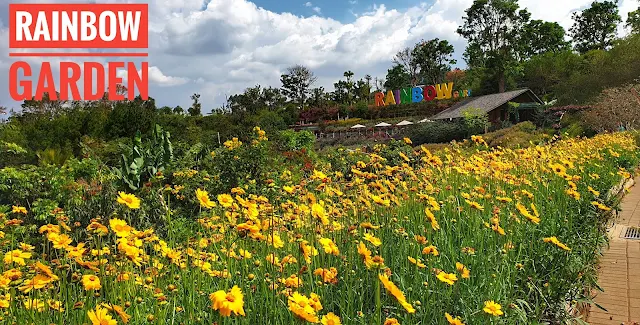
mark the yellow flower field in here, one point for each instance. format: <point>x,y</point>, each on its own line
<point>467,235</point>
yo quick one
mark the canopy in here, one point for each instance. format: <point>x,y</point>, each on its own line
<point>383,124</point>
<point>405,122</point>
<point>358,126</point>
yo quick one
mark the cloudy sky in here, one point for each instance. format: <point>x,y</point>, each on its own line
<point>219,47</point>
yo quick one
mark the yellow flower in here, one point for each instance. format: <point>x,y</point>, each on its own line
<point>119,311</point>
<point>18,209</point>
<point>463,270</point>
<point>492,308</point>
<point>396,292</point>
<point>600,206</point>
<point>329,246</point>
<point>556,242</point>
<point>317,211</point>
<point>407,141</point>
<point>391,321</point>
<point>225,200</point>
<point>129,200</point>
<point>448,278</point>
<point>370,238</point>
<point>16,256</point>
<point>430,250</point>
<point>330,319</point>
<point>227,302</point>
<point>453,321</point>
<point>302,307</point>
<point>91,282</point>
<point>5,301</point>
<point>203,198</point>
<point>101,317</point>
<point>120,227</point>
<point>36,304</point>
<point>418,263</point>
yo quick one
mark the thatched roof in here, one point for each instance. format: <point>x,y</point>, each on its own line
<point>486,103</point>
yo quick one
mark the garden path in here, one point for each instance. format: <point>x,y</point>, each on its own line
<point>619,271</point>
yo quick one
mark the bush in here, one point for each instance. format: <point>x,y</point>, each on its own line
<point>518,136</point>
<point>437,132</point>
<point>615,108</point>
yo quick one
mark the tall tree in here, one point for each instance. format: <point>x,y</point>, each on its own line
<point>542,36</point>
<point>492,29</point>
<point>407,61</point>
<point>595,27</point>
<point>296,83</point>
<point>397,77</point>
<point>196,106</point>
<point>633,21</point>
<point>434,59</point>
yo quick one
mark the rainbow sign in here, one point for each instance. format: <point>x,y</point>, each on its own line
<point>419,94</point>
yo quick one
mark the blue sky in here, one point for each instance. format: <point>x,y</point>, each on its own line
<point>342,10</point>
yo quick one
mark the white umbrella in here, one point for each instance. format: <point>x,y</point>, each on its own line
<point>425,120</point>
<point>403,123</point>
<point>383,124</point>
<point>358,126</point>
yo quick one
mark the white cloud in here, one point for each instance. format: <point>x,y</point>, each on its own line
<point>218,48</point>
<point>317,10</point>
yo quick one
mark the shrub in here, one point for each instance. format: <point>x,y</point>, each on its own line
<point>437,132</point>
<point>615,108</point>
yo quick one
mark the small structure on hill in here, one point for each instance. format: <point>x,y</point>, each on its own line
<point>496,106</point>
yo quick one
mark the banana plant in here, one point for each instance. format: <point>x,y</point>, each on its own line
<point>145,160</point>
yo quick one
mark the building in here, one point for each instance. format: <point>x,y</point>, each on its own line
<point>496,106</point>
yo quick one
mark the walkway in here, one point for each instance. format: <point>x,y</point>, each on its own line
<point>620,270</point>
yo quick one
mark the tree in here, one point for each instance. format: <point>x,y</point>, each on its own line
<point>318,97</point>
<point>595,27</point>
<point>633,21</point>
<point>492,29</point>
<point>196,106</point>
<point>615,107</point>
<point>434,60</point>
<point>178,110</point>
<point>397,78</point>
<point>540,37</point>
<point>406,59</point>
<point>296,83</point>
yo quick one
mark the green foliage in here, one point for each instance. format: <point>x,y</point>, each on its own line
<point>437,132</point>
<point>290,140</point>
<point>541,37</point>
<point>145,161</point>
<point>633,21</point>
<point>595,27</point>
<point>296,84</point>
<point>51,156</point>
<point>196,107</point>
<point>397,78</point>
<point>475,120</point>
<point>521,135</point>
<point>497,52</point>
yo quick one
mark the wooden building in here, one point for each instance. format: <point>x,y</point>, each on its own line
<point>496,106</point>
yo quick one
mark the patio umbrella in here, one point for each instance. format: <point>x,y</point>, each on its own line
<point>425,120</point>
<point>383,124</point>
<point>403,123</point>
<point>358,126</point>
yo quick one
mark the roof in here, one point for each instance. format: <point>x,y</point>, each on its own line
<point>486,103</point>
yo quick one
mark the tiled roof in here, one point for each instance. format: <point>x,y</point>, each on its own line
<point>486,103</point>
